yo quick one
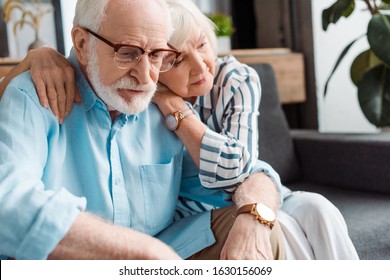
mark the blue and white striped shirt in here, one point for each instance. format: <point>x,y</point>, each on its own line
<point>230,110</point>
<point>229,148</point>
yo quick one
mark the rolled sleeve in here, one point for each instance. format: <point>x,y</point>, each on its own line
<point>224,161</point>
<point>210,152</point>
<point>52,223</point>
<point>33,217</point>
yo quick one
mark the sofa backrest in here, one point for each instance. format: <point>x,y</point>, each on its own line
<point>275,142</point>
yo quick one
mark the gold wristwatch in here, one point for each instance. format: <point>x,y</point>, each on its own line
<point>262,212</point>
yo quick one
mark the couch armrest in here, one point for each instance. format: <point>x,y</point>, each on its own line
<point>353,161</point>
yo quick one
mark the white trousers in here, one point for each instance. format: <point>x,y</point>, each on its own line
<point>314,229</point>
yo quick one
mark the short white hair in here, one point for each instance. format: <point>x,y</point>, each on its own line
<point>91,13</point>
<point>186,19</point>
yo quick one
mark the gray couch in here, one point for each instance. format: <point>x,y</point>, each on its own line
<point>350,170</point>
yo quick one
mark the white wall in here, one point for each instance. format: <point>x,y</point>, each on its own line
<point>340,110</point>
<point>67,9</point>
<point>205,6</point>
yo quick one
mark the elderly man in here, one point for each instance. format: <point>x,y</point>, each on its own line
<point>112,157</point>
<point>99,160</point>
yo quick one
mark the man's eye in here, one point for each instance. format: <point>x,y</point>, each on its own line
<point>127,53</point>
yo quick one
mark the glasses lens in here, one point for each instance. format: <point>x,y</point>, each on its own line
<point>168,60</point>
<point>160,60</point>
<point>126,55</point>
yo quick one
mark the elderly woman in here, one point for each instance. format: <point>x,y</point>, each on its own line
<point>212,105</point>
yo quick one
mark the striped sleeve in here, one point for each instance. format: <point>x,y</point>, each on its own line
<point>227,156</point>
<point>224,161</point>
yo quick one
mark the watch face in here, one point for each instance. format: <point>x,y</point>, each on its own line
<point>171,122</point>
<point>265,212</point>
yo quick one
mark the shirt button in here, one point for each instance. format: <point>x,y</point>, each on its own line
<point>117,181</point>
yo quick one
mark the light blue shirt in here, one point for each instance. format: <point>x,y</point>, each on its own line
<point>127,171</point>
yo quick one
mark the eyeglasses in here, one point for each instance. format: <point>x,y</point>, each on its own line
<point>126,55</point>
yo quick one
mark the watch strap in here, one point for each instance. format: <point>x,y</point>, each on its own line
<point>180,115</point>
<point>251,209</point>
<point>246,209</point>
<point>183,113</point>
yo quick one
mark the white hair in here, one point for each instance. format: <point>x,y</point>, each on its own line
<point>186,19</point>
<point>91,13</point>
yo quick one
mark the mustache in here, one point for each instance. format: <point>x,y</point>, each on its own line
<point>132,84</point>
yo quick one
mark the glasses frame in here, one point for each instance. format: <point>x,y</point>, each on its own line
<point>116,48</point>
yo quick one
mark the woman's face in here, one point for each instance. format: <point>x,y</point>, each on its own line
<point>193,72</point>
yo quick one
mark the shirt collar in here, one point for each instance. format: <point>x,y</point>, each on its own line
<point>87,94</point>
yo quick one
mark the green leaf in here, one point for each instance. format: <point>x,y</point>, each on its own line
<point>378,35</point>
<point>374,95</point>
<point>362,63</point>
<point>342,55</point>
<point>223,23</point>
<point>336,11</point>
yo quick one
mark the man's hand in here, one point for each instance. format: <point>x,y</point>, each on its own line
<point>248,239</point>
<point>91,238</point>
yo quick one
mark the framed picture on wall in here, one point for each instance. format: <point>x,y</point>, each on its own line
<point>50,31</point>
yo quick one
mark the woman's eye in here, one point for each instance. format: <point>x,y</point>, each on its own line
<point>202,45</point>
<point>178,62</point>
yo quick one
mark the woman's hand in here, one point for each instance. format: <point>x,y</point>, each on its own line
<point>54,79</point>
<point>168,101</point>
<point>248,239</point>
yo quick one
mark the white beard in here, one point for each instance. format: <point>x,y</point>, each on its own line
<point>110,95</point>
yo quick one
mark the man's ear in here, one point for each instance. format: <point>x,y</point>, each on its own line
<point>80,39</point>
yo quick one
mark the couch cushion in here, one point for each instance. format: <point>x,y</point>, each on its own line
<point>353,161</point>
<point>275,143</point>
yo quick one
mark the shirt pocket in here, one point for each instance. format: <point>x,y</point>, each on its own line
<point>161,184</point>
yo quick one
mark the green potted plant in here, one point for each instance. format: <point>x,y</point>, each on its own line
<point>370,70</point>
<point>224,30</point>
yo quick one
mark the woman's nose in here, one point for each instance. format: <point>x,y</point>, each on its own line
<point>199,66</point>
